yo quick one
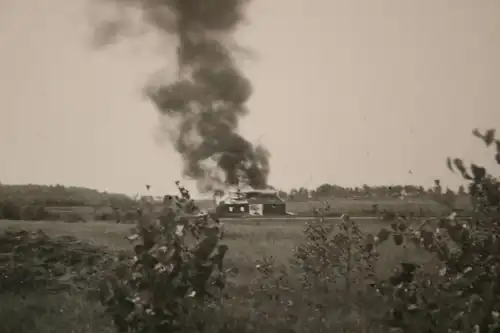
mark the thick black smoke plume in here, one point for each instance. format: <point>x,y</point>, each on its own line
<point>210,95</point>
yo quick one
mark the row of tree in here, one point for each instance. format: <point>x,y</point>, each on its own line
<point>366,191</point>
<point>61,196</point>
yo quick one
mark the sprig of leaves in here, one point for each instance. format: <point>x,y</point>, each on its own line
<point>175,272</point>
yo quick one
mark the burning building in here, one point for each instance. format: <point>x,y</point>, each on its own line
<point>250,202</point>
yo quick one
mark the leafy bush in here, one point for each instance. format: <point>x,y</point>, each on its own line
<point>174,277</point>
<point>10,210</point>
<point>460,291</point>
<point>325,287</point>
<point>32,261</point>
<point>34,213</point>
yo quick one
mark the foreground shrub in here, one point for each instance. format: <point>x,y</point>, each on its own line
<point>175,276</point>
<point>33,261</point>
<point>460,291</point>
<point>326,286</point>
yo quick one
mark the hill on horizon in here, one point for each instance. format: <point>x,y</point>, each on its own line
<point>59,194</point>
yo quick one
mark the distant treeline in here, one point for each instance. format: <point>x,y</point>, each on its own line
<point>66,196</point>
<point>61,196</point>
<point>40,202</point>
<point>10,210</point>
<point>366,191</point>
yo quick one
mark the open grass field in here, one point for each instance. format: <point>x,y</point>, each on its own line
<point>248,240</point>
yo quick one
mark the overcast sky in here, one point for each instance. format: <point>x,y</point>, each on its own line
<point>346,92</point>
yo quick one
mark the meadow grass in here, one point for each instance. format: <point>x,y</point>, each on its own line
<point>248,241</point>
<point>69,312</point>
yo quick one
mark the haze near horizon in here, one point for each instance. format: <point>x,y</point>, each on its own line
<point>344,93</point>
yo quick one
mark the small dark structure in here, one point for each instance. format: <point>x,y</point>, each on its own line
<point>250,202</point>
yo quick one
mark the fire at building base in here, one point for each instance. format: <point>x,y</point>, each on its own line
<point>242,202</point>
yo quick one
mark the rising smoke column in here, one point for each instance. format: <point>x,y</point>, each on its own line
<point>209,97</point>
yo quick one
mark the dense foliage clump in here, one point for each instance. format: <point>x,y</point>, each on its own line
<point>174,275</point>
<point>32,261</point>
<point>326,284</point>
<point>460,290</point>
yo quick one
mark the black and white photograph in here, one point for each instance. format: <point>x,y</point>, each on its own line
<point>250,166</point>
